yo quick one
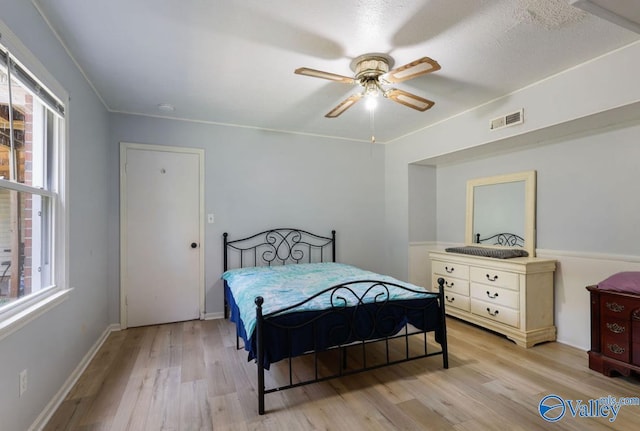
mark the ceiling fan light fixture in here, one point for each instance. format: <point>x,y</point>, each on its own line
<point>371,88</point>
<point>371,102</point>
<point>371,92</point>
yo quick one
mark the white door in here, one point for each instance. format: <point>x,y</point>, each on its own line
<point>161,253</point>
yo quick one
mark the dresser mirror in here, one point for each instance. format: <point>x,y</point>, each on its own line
<point>501,211</point>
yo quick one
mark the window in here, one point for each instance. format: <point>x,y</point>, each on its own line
<point>32,228</point>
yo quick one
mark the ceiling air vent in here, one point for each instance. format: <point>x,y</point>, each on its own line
<point>507,120</point>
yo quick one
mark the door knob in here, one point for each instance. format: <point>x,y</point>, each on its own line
<point>194,244</point>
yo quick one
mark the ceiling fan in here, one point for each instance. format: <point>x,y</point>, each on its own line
<point>373,74</point>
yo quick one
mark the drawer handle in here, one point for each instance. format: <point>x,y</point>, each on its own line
<point>615,307</point>
<point>495,277</point>
<point>449,300</point>
<point>495,313</point>
<point>615,328</point>
<point>616,349</point>
<point>449,270</point>
<point>495,295</point>
<point>446,283</point>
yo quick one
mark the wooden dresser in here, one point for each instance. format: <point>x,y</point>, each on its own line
<point>615,332</point>
<point>513,297</point>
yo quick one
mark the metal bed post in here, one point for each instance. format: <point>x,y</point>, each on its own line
<point>443,323</point>
<point>226,307</point>
<point>333,245</point>
<point>260,356</point>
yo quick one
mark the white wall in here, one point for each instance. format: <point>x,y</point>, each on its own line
<point>256,180</point>
<point>51,346</point>
<point>586,160</point>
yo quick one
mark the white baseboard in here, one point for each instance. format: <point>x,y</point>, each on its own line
<point>213,316</point>
<point>50,409</point>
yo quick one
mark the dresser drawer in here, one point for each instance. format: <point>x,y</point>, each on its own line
<point>450,269</point>
<point>494,312</point>
<point>496,295</point>
<point>494,277</point>
<point>460,302</point>
<point>451,284</point>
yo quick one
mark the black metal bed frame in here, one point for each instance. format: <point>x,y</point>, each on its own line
<point>360,325</point>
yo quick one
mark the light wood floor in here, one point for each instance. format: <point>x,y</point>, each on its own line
<point>189,376</point>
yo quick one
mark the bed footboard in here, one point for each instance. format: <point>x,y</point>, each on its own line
<point>385,322</point>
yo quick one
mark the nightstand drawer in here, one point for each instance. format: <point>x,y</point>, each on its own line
<point>450,269</point>
<point>494,277</point>
<point>616,328</point>
<point>616,334</point>
<point>457,301</point>
<point>616,349</point>
<point>451,284</point>
<point>498,313</point>
<point>617,306</point>
<point>496,295</point>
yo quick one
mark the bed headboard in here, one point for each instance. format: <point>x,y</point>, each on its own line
<point>278,247</point>
<point>504,239</point>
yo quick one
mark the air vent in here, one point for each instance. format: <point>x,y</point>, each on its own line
<point>507,120</point>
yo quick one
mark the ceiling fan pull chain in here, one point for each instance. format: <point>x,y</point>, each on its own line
<point>373,138</point>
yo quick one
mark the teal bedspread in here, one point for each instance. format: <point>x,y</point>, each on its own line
<point>282,286</point>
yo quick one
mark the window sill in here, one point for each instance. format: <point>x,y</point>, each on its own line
<point>16,320</point>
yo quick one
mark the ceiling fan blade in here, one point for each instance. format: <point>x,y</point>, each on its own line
<point>411,70</point>
<point>408,99</point>
<point>324,75</point>
<point>344,105</point>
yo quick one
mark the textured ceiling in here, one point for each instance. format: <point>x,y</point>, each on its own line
<point>232,62</point>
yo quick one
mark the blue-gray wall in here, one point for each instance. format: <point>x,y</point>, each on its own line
<point>256,180</point>
<point>51,346</point>
<point>422,203</point>
<point>587,191</point>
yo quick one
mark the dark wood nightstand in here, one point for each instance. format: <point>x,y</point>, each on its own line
<point>615,332</point>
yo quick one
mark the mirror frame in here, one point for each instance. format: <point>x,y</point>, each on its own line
<point>529,178</point>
